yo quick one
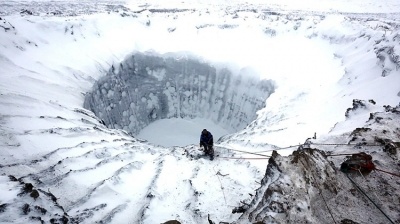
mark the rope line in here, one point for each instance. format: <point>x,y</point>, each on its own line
<point>346,154</point>
<point>240,158</point>
<point>359,189</point>
<point>337,144</point>
<point>349,144</point>
<point>222,188</point>
<point>397,175</point>
<point>323,198</point>
<point>253,153</point>
<point>367,184</point>
<point>292,146</point>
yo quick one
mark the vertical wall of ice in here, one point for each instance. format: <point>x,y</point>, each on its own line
<point>147,87</point>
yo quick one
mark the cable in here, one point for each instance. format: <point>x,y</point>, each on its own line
<point>397,175</point>
<point>323,198</point>
<point>222,188</point>
<point>359,189</point>
<point>292,146</point>
<point>240,158</point>
<point>246,152</point>
<point>347,154</point>
<point>366,181</point>
<point>349,144</point>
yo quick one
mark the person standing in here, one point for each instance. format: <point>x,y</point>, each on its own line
<point>207,141</point>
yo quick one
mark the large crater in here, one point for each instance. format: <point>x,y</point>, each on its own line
<point>146,87</point>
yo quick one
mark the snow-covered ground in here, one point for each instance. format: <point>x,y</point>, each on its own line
<point>312,59</point>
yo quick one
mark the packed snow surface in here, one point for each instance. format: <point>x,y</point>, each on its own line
<point>269,75</point>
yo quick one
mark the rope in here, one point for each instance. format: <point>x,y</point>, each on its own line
<point>349,154</point>
<point>349,144</point>
<point>326,204</point>
<point>397,175</point>
<point>292,146</point>
<point>247,152</point>
<point>332,144</point>
<point>222,188</point>
<point>359,189</point>
<point>323,198</point>
<point>366,181</point>
<point>240,158</point>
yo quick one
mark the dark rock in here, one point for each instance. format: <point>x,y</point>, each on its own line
<point>171,222</point>
<point>395,110</point>
<point>209,220</point>
<point>64,220</point>
<point>150,195</point>
<point>12,178</point>
<point>51,195</point>
<point>356,105</point>
<point>41,210</point>
<point>27,188</point>
<point>390,147</point>
<point>38,219</point>
<point>275,206</point>
<point>3,207</point>
<point>358,131</point>
<point>26,209</point>
<point>240,209</point>
<point>27,12</point>
<point>348,221</point>
<point>34,194</point>
<point>371,116</point>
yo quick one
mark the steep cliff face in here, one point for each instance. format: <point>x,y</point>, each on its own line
<point>147,87</point>
<point>308,186</point>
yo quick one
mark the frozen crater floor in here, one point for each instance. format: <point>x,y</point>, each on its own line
<point>83,84</point>
<point>179,132</point>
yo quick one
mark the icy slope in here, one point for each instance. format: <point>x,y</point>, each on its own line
<point>368,49</point>
<point>308,185</point>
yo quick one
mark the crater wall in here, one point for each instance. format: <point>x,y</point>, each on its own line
<point>148,87</point>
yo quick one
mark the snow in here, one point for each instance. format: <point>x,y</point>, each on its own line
<point>294,69</point>
<point>7,190</point>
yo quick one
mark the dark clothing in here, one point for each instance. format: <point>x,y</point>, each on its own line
<point>207,141</point>
<point>206,138</point>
